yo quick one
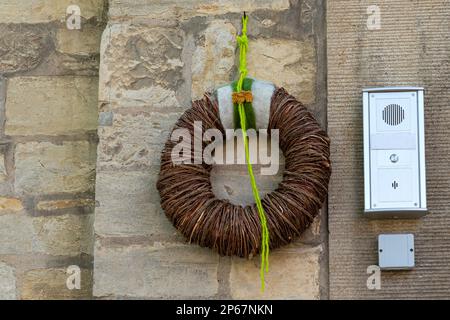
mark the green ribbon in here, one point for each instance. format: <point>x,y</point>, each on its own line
<point>244,124</point>
<point>250,118</point>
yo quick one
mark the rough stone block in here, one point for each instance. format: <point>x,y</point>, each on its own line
<point>39,11</point>
<point>213,58</point>
<point>141,66</point>
<point>158,271</point>
<point>62,64</point>
<point>79,42</point>
<point>128,204</point>
<point>105,118</point>
<point>53,235</point>
<point>69,234</point>
<point>24,46</point>
<point>293,274</point>
<point>16,234</point>
<point>7,282</point>
<point>134,141</point>
<point>45,168</point>
<point>287,63</point>
<point>189,8</point>
<point>51,105</point>
<point>48,284</point>
<point>3,173</point>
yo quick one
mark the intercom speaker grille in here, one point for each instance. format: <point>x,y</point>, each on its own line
<point>393,114</point>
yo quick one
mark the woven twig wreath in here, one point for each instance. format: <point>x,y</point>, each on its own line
<point>189,202</point>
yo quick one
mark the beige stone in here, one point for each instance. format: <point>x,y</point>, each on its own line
<point>287,63</point>
<point>64,235</point>
<point>39,11</point>
<point>7,282</point>
<point>233,183</point>
<point>51,105</point>
<point>129,205</point>
<point>312,234</point>
<point>69,64</point>
<point>159,271</point>
<point>293,274</point>
<point>16,234</point>
<point>189,8</point>
<point>50,205</point>
<point>3,174</point>
<point>213,58</point>
<point>50,284</point>
<point>10,205</point>
<point>45,168</point>
<point>25,46</point>
<point>54,235</point>
<point>134,141</point>
<point>80,42</point>
<point>141,66</point>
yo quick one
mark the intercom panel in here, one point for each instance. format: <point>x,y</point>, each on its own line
<point>394,152</point>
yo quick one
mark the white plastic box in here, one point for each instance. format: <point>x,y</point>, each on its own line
<point>396,251</point>
<point>394,152</point>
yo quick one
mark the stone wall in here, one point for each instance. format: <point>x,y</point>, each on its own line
<point>48,138</point>
<point>156,57</point>
<point>153,57</point>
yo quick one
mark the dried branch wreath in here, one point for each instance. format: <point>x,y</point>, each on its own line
<point>189,202</point>
<point>186,192</point>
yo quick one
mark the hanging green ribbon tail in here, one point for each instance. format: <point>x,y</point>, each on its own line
<point>243,47</point>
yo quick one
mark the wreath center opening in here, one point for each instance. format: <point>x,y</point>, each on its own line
<point>230,181</point>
